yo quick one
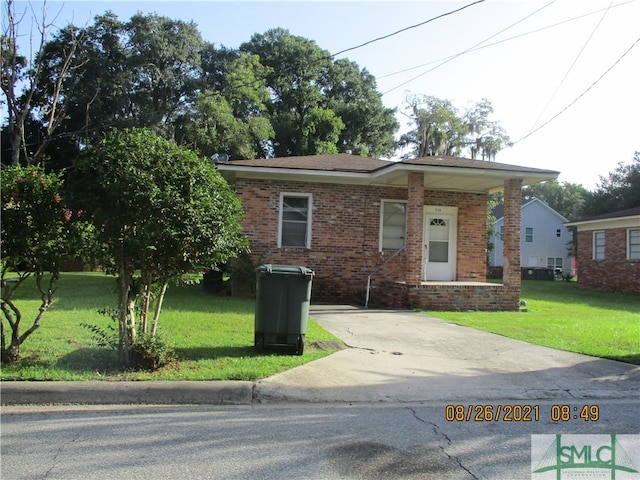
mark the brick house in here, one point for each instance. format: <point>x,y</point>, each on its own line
<point>389,234</point>
<point>608,253</point>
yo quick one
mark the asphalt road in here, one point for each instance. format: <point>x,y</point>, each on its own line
<point>407,400</point>
<point>301,441</point>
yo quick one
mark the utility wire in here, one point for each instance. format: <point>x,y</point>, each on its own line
<point>406,28</point>
<point>468,49</point>
<point>332,55</point>
<point>473,49</point>
<point>571,66</point>
<point>581,95</point>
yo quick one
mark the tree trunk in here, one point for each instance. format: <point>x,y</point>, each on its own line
<point>11,354</point>
<point>13,316</point>
<point>156,314</point>
<point>124,343</point>
<point>145,304</point>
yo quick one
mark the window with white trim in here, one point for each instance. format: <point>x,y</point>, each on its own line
<point>633,244</point>
<point>558,232</point>
<point>528,234</point>
<point>598,245</point>
<point>393,224</point>
<point>555,262</point>
<point>294,225</point>
<point>501,233</point>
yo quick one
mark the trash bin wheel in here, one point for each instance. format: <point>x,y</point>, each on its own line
<point>300,345</point>
<point>259,341</point>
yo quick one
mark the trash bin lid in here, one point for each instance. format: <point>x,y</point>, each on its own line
<point>286,270</point>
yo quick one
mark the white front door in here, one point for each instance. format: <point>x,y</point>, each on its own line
<point>439,259</point>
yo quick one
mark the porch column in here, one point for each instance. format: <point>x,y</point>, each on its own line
<point>415,229</point>
<point>511,275</point>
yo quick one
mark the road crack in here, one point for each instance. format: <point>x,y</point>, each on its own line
<point>447,441</point>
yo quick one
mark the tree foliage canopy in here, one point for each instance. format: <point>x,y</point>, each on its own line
<point>568,199</point>
<point>160,211</point>
<point>35,238</point>
<point>619,191</point>
<point>277,95</point>
<point>439,129</point>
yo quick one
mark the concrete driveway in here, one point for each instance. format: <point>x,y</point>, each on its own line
<point>403,356</point>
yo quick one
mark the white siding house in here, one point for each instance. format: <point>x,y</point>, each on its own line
<point>544,238</point>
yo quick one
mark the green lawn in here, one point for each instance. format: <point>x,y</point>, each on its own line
<point>212,336</point>
<point>559,315</point>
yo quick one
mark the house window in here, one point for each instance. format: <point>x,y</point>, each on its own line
<point>393,224</point>
<point>528,234</point>
<point>555,262</point>
<point>598,245</point>
<point>558,232</point>
<point>294,227</point>
<point>633,244</point>
<point>501,233</point>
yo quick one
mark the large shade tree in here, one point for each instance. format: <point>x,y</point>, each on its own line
<point>161,211</point>
<point>277,95</point>
<point>229,115</point>
<point>352,94</point>
<point>620,190</point>
<point>438,128</point>
<point>318,105</point>
<point>566,198</point>
<point>136,73</point>
<point>36,90</point>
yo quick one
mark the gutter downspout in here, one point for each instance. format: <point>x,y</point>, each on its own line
<point>366,301</point>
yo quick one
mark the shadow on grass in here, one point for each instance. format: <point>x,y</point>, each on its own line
<point>90,360</point>
<point>633,359</point>
<point>105,362</point>
<point>211,353</point>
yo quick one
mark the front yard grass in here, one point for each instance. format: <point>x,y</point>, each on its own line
<point>559,315</point>
<point>212,336</point>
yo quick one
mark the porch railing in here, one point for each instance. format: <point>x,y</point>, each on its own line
<point>366,299</point>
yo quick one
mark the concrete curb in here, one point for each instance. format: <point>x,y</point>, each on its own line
<point>124,393</point>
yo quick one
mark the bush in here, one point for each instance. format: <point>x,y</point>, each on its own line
<point>151,352</point>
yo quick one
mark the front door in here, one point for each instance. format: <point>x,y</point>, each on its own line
<point>439,259</point>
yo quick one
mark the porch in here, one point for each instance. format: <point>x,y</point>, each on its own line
<point>465,287</point>
<point>450,296</point>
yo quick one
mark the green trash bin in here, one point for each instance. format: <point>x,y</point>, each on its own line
<point>283,293</point>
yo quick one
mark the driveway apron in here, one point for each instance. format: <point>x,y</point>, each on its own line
<point>404,356</point>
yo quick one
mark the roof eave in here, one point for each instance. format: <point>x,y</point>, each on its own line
<point>603,221</point>
<point>378,175</point>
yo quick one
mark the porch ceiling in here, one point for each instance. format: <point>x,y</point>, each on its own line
<point>462,181</point>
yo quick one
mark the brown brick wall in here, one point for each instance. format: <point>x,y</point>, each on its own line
<point>615,272</point>
<point>345,234</point>
<point>451,296</point>
<point>512,232</point>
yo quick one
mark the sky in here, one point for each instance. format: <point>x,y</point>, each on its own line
<point>562,75</point>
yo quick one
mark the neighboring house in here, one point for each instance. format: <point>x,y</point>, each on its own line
<point>544,237</point>
<point>609,251</point>
<point>391,234</point>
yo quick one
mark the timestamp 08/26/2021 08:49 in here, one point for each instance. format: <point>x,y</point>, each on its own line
<point>520,413</point>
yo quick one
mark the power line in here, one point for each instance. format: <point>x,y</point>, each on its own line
<point>572,65</point>
<point>581,95</point>
<point>332,55</point>
<point>468,49</point>
<point>479,46</point>
<point>406,28</point>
